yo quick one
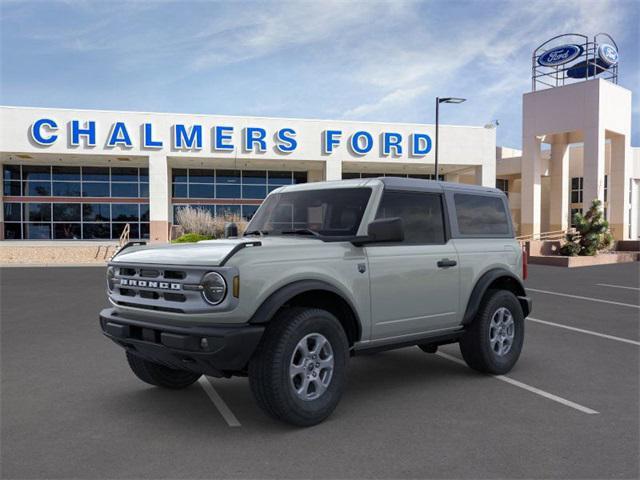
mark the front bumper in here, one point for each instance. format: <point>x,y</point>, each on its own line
<point>227,349</point>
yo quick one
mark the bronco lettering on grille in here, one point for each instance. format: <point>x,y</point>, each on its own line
<point>130,282</point>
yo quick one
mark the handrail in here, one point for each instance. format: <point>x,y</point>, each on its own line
<point>124,236</point>
<point>550,235</point>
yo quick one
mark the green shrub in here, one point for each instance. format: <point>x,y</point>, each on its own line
<point>591,235</point>
<point>192,238</point>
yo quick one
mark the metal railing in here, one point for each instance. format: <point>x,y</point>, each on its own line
<point>551,235</point>
<point>124,236</point>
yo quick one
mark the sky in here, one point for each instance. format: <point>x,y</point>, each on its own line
<point>351,60</point>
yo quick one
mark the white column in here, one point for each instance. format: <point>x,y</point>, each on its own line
<point>618,188</point>
<point>159,197</point>
<point>559,205</point>
<point>531,186</point>
<point>333,169</point>
<point>486,174</point>
<point>452,177</point>
<point>593,167</point>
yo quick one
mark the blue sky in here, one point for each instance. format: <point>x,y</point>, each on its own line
<point>367,60</point>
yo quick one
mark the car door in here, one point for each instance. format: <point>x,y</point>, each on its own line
<point>414,284</point>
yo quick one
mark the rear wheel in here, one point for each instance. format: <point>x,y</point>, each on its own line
<point>297,374</point>
<point>159,375</point>
<point>493,341</point>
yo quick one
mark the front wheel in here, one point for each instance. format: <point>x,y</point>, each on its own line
<point>493,341</point>
<point>297,374</point>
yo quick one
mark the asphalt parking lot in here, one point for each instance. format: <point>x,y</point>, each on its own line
<point>70,407</point>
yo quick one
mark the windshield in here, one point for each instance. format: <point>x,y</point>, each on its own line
<point>323,212</point>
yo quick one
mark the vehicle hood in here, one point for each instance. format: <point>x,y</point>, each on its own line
<point>205,253</point>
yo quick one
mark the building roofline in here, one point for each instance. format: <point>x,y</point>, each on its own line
<point>18,107</point>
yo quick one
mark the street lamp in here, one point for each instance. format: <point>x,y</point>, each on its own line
<point>438,102</point>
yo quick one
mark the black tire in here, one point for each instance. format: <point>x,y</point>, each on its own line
<point>159,375</point>
<point>475,344</point>
<point>269,376</point>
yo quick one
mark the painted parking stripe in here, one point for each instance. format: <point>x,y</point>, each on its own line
<point>617,286</point>
<point>219,403</point>
<point>529,388</point>
<point>600,300</point>
<point>588,332</point>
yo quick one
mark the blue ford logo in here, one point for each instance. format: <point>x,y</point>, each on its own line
<point>560,55</point>
<point>608,54</point>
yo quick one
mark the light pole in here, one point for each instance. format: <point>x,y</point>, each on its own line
<point>438,102</point>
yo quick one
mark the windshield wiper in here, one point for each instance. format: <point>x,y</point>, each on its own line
<point>301,231</point>
<point>256,232</point>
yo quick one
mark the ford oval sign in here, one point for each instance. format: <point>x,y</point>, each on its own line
<point>560,55</point>
<point>608,54</point>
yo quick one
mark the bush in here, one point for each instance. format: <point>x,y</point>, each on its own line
<point>591,235</point>
<point>192,238</point>
<point>200,221</point>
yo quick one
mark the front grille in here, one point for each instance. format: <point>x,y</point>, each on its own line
<point>171,289</point>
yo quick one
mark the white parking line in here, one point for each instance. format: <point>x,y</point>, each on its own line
<point>524,386</point>
<point>589,332</point>
<point>617,286</point>
<point>584,298</point>
<point>217,400</point>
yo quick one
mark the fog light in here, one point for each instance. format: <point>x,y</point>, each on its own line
<point>204,343</point>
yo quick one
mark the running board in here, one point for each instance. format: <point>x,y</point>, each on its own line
<point>433,339</point>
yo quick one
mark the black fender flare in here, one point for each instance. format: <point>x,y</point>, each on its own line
<point>482,285</point>
<point>280,297</point>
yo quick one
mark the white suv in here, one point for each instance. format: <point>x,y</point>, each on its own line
<point>325,271</point>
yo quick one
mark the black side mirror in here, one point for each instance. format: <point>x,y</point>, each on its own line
<point>383,230</point>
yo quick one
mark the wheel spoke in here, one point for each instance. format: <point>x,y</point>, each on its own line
<point>296,370</point>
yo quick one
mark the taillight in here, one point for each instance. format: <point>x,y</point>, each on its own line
<point>525,263</point>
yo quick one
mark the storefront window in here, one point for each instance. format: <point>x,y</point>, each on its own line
<point>58,218</point>
<point>216,186</point>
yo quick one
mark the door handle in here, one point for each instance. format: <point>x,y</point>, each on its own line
<point>446,263</point>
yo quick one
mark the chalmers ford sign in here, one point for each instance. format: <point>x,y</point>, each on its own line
<point>45,132</point>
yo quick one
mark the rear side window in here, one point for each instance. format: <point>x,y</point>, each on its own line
<point>481,215</point>
<point>421,215</point>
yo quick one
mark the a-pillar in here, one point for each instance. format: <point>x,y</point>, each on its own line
<point>531,186</point>
<point>559,207</point>
<point>332,169</point>
<point>159,198</point>
<point>593,167</point>
<point>618,188</point>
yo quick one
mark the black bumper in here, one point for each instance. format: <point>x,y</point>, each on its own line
<point>227,349</point>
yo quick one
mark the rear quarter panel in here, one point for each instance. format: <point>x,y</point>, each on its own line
<point>479,255</point>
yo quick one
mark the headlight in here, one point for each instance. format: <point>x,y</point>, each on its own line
<point>214,288</point>
<point>111,273</point>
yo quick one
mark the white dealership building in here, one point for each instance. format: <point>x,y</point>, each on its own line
<point>85,174</point>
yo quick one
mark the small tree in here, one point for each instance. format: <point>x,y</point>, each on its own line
<point>591,235</point>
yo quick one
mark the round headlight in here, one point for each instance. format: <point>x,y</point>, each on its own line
<point>111,273</point>
<point>214,288</point>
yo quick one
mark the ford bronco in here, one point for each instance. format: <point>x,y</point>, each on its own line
<point>323,272</point>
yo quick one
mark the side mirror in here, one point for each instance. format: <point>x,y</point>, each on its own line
<point>383,230</point>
